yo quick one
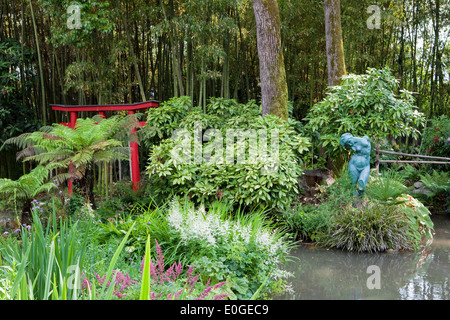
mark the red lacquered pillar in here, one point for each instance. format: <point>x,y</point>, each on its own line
<point>73,121</point>
<point>134,159</point>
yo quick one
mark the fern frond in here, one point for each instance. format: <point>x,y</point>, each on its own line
<point>20,141</point>
<point>48,157</point>
<point>11,188</point>
<point>62,177</point>
<point>46,187</point>
<point>436,182</point>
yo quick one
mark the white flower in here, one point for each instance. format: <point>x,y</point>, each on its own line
<point>211,228</point>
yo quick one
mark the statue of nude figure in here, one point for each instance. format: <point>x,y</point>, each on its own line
<point>359,165</point>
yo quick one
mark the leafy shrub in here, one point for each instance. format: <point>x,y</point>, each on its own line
<point>249,182</point>
<point>438,183</point>
<point>74,203</point>
<point>364,105</point>
<point>436,137</point>
<point>243,249</point>
<point>145,220</point>
<point>162,121</point>
<point>418,216</point>
<point>311,222</point>
<point>307,221</point>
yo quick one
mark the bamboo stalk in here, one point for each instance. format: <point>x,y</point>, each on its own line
<point>41,71</point>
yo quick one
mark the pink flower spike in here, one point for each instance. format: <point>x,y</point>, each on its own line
<point>178,293</point>
<point>178,269</point>
<point>218,285</point>
<point>221,296</point>
<point>193,282</point>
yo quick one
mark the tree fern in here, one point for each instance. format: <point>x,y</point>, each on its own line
<point>93,140</point>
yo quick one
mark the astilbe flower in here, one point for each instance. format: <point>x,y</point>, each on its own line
<point>159,276</point>
<point>122,282</point>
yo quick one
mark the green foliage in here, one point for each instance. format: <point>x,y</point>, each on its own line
<point>224,245</point>
<point>435,138</point>
<point>242,249</point>
<point>75,202</point>
<point>373,228</point>
<point>27,187</point>
<point>364,105</point>
<point>90,142</point>
<point>162,121</point>
<point>16,80</point>
<point>307,221</point>
<point>204,179</point>
<point>45,261</point>
<point>418,216</point>
<point>386,188</point>
<point>386,219</point>
<point>95,18</point>
<point>438,182</point>
<point>147,220</point>
<point>311,222</point>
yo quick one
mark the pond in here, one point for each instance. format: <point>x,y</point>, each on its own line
<point>325,274</point>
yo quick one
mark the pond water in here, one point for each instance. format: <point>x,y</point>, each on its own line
<point>322,274</point>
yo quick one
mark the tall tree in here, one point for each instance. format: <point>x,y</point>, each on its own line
<point>335,46</point>
<point>274,91</point>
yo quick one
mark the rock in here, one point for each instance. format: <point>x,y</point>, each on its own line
<point>418,185</point>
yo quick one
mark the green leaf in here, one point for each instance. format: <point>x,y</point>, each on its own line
<point>145,287</point>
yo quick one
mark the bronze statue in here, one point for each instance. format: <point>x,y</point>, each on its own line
<point>359,165</point>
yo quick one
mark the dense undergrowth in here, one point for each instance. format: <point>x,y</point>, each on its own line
<point>199,228</point>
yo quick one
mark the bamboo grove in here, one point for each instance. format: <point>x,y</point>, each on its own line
<point>136,50</point>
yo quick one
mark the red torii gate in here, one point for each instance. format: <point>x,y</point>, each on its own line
<point>101,109</point>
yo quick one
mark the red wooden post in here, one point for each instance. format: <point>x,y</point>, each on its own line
<point>134,160</point>
<point>102,114</point>
<point>73,121</point>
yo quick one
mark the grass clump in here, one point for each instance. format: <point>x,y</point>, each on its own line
<point>375,227</point>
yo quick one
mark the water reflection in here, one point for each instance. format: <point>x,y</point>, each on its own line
<point>334,274</point>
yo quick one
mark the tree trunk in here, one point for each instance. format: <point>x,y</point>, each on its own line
<point>335,46</point>
<point>274,91</point>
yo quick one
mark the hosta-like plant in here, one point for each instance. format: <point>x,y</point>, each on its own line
<point>241,157</point>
